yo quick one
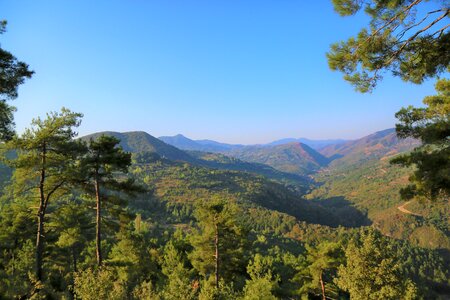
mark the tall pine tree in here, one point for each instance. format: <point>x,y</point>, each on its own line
<point>219,242</point>
<point>102,167</point>
<point>45,165</point>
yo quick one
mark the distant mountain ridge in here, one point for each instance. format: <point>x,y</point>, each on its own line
<point>140,141</point>
<point>295,158</point>
<point>315,144</point>
<point>182,142</point>
<point>377,145</point>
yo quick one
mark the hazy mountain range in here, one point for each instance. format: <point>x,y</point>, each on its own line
<point>302,156</point>
<point>184,143</point>
<point>292,157</point>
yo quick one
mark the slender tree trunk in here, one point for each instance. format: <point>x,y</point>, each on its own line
<point>41,215</point>
<point>216,244</point>
<point>322,284</point>
<point>98,223</point>
<point>40,244</point>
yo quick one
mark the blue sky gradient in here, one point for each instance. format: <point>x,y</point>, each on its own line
<point>233,71</point>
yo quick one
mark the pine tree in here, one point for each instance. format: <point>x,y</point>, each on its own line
<point>219,242</point>
<point>45,165</point>
<point>372,270</point>
<point>12,74</point>
<point>101,168</point>
<point>179,283</point>
<point>262,281</point>
<point>409,38</point>
<point>430,124</point>
<point>322,262</point>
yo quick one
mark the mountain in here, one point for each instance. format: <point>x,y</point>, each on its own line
<point>184,143</point>
<point>181,142</point>
<point>217,146</point>
<point>377,145</point>
<point>361,176</point>
<point>140,141</point>
<point>296,158</point>
<point>291,157</point>
<point>315,144</point>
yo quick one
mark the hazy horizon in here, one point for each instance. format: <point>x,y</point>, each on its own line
<point>243,73</point>
<point>232,143</point>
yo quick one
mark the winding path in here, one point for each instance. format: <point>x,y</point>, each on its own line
<point>406,211</point>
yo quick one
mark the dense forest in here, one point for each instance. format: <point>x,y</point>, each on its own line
<point>129,216</point>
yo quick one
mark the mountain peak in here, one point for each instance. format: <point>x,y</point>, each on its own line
<point>141,141</point>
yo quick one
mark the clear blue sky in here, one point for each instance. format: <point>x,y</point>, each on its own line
<point>233,71</point>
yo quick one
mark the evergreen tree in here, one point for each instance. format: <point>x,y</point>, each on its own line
<point>179,283</point>
<point>71,234</point>
<point>101,168</point>
<point>45,165</point>
<point>219,242</point>
<point>408,38</point>
<point>130,258</point>
<point>17,251</point>
<point>372,270</point>
<point>430,124</point>
<point>71,222</point>
<point>99,283</point>
<point>323,261</point>
<point>12,74</point>
<point>263,282</point>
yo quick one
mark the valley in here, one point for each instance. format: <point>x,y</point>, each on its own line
<point>283,200</point>
<point>340,183</point>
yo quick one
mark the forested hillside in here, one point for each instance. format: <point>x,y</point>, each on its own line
<point>139,141</point>
<point>295,158</point>
<point>364,177</point>
<point>148,147</point>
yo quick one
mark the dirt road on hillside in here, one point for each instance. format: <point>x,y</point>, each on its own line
<point>406,211</point>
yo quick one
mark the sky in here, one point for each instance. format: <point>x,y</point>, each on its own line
<point>232,71</point>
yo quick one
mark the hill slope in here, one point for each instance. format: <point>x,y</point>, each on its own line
<point>296,158</point>
<point>140,141</point>
<point>183,184</point>
<point>364,177</point>
<point>377,145</point>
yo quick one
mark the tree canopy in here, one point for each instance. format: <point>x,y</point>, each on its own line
<point>430,124</point>
<point>12,74</point>
<point>408,38</point>
<point>46,155</point>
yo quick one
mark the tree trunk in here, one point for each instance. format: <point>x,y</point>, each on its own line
<point>216,244</point>
<point>98,223</point>
<point>39,244</point>
<point>41,215</point>
<point>323,287</point>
